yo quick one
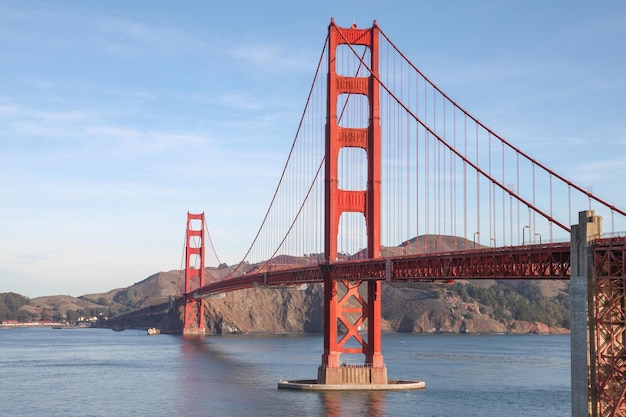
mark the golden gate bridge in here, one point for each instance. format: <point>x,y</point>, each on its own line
<point>383,156</point>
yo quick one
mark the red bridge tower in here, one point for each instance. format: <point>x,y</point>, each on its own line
<point>194,274</point>
<point>341,296</point>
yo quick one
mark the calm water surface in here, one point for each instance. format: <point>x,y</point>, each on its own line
<point>95,372</point>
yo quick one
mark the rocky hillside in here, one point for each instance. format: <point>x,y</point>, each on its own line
<point>428,308</point>
<point>154,290</point>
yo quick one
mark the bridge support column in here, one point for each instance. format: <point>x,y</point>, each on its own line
<point>351,304</point>
<point>194,275</point>
<point>194,317</point>
<point>344,305</point>
<point>582,318</point>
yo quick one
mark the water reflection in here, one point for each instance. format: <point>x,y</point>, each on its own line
<point>353,403</point>
<point>238,375</point>
<point>213,379</point>
<point>207,375</point>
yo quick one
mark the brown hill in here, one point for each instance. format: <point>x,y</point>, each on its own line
<point>57,306</point>
<point>154,289</point>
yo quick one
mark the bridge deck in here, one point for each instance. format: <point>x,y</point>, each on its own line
<point>544,261</point>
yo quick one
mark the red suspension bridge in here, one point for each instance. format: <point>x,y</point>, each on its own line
<point>383,156</point>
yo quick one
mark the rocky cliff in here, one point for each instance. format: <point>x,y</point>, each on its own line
<point>427,308</point>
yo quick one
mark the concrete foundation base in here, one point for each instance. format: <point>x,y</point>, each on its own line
<point>351,378</point>
<point>194,332</point>
<point>353,375</point>
<point>313,385</point>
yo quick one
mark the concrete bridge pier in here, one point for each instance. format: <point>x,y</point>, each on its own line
<point>582,319</point>
<point>352,375</point>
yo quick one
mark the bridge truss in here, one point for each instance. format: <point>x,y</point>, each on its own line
<point>610,326</point>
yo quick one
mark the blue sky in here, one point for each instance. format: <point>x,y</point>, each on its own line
<point>117,117</point>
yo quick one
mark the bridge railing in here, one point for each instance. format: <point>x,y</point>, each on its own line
<point>539,261</point>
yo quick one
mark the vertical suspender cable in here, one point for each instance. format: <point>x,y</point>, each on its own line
<point>503,202</point>
<point>453,174</point>
<point>446,219</point>
<point>534,224</point>
<point>569,203</point>
<point>388,147</point>
<point>465,178</point>
<point>477,189</point>
<point>491,214</point>
<point>417,168</point>
<point>511,219</point>
<point>518,191</point>
<point>399,167</point>
<point>408,162</point>
<point>433,170</point>
<point>551,214</point>
<point>426,169</point>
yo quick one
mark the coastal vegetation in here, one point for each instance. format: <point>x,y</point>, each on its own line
<point>11,307</point>
<point>524,302</point>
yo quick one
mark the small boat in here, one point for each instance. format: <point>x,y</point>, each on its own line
<point>153,331</point>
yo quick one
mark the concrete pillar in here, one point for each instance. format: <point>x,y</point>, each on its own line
<point>582,322</point>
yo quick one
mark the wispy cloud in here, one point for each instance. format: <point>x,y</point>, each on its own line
<point>274,57</point>
<point>597,172</point>
<point>241,100</point>
<point>133,39</point>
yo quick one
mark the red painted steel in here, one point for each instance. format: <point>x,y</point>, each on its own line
<point>194,274</point>
<point>546,262</point>
<point>610,327</point>
<point>341,307</point>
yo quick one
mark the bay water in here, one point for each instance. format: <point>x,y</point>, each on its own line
<point>99,372</point>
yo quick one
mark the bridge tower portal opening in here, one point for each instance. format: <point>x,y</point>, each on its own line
<point>352,304</point>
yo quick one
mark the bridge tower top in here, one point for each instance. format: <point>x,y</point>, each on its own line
<point>340,134</point>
